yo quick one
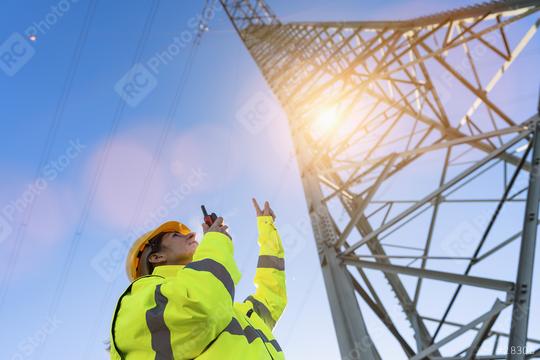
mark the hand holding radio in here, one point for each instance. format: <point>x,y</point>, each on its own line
<point>208,219</point>
<point>213,223</point>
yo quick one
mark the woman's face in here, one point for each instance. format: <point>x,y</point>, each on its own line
<point>178,248</point>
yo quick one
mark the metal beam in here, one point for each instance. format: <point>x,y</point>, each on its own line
<point>497,308</point>
<point>439,146</point>
<point>359,210</point>
<point>491,333</point>
<point>487,232</point>
<point>522,296</point>
<point>437,192</point>
<point>465,14</point>
<point>504,67</point>
<point>450,133</point>
<point>311,66</point>
<point>481,335</point>
<point>492,284</point>
<point>381,313</point>
<point>351,330</point>
<point>421,333</point>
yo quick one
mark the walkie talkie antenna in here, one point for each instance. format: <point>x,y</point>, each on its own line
<point>205,213</point>
<point>208,219</point>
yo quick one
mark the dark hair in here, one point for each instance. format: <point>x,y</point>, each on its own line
<point>155,246</point>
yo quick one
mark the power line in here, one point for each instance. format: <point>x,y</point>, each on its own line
<point>49,142</point>
<point>157,155</point>
<point>101,164</point>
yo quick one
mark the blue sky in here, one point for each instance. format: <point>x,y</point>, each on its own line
<point>113,169</point>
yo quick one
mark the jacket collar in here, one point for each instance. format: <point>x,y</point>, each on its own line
<point>167,270</point>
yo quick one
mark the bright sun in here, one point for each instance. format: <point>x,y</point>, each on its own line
<point>325,120</point>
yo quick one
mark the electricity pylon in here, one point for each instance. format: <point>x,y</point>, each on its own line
<point>416,170</point>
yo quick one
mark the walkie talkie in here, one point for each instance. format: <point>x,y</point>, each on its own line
<point>208,219</point>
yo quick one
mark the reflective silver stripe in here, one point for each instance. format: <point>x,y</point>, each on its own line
<point>216,269</point>
<point>273,262</point>
<point>235,328</point>
<point>160,333</point>
<point>262,311</point>
<point>119,302</point>
<point>276,345</point>
<point>273,342</point>
<point>250,333</point>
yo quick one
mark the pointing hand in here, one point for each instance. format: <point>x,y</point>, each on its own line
<point>267,211</point>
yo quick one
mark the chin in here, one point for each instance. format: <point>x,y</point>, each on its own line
<point>190,251</point>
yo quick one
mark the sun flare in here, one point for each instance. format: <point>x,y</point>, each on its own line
<point>325,120</point>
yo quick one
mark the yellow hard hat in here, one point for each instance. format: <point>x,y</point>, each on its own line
<point>139,250</point>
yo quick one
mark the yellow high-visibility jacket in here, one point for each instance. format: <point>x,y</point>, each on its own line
<point>188,312</point>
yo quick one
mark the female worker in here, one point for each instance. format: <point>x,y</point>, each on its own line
<point>180,304</point>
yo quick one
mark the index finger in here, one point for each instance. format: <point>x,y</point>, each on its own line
<point>256,206</point>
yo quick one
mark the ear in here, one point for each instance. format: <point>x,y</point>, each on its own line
<point>157,258</point>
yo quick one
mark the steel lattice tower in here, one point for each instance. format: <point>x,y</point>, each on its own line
<point>419,139</point>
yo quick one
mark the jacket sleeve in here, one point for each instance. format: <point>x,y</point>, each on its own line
<point>200,298</point>
<point>270,297</point>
